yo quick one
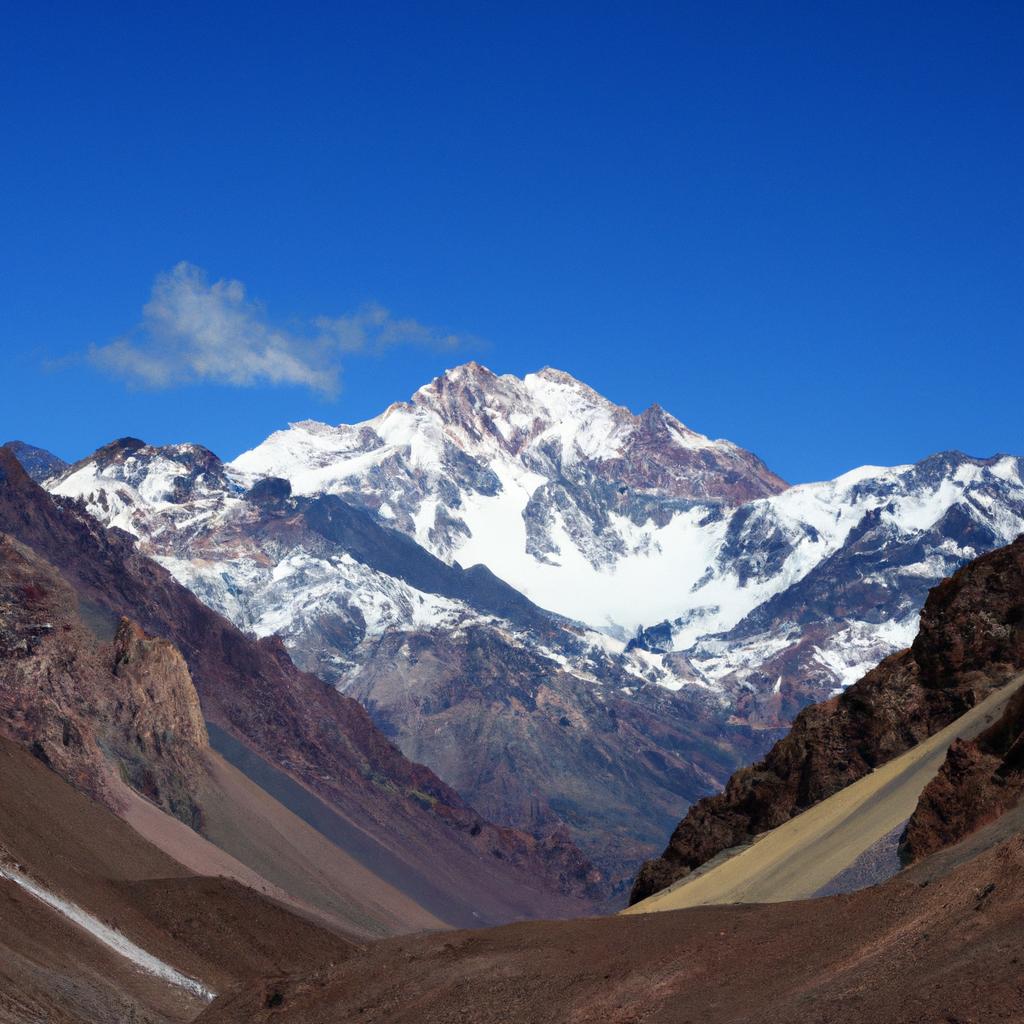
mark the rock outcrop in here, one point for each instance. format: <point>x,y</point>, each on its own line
<point>982,633</point>
<point>95,706</point>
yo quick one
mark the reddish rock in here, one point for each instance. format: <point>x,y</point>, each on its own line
<point>966,794</point>
<point>92,707</point>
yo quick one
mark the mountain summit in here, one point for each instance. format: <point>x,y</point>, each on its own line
<point>540,478</point>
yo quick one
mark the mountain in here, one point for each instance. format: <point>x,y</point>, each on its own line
<point>308,746</point>
<point>935,942</point>
<point>645,610</point>
<point>563,723</point>
<point>37,462</point>
<point>636,523</point>
<point>558,491</point>
<point>970,642</point>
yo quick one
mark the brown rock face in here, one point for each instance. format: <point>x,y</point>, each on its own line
<point>971,639</point>
<point>159,710</point>
<point>967,793</point>
<point>90,706</point>
<point>983,633</point>
<point>534,746</point>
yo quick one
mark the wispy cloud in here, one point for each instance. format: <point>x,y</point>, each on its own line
<point>374,329</point>
<point>193,331</point>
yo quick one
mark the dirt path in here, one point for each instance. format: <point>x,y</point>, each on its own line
<point>798,858</point>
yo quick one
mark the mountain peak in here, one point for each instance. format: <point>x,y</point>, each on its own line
<point>557,376</point>
<point>37,462</point>
<point>465,373</point>
<point>547,424</point>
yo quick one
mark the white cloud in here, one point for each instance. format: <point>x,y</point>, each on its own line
<point>193,331</point>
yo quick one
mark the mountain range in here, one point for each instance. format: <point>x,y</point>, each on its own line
<point>579,617</point>
<point>930,934</point>
<point>195,826</point>
<point>118,678</point>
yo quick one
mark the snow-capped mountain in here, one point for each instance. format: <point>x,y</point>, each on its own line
<point>586,508</point>
<point>631,523</point>
<point>365,606</point>
<point>643,609</point>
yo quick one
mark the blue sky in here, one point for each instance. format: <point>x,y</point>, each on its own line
<point>796,225</point>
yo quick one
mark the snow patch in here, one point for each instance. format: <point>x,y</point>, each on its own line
<point>109,937</point>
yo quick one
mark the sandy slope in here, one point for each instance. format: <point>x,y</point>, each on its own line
<point>244,820</point>
<point>795,860</point>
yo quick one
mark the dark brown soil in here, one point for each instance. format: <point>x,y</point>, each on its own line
<point>922,948</point>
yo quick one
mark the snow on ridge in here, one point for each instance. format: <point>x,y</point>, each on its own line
<point>630,573</point>
<point>507,472</point>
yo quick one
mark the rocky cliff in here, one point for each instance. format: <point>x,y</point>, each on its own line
<point>91,704</point>
<point>982,778</point>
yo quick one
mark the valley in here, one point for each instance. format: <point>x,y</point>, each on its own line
<point>198,797</point>
<point>512,514</point>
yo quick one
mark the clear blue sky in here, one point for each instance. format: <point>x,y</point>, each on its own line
<point>796,225</point>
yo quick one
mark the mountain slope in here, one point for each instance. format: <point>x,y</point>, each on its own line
<point>817,849</point>
<point>211,929</point>
<point>323,741</point>
<point>969,642</point>
<point>366,608</point>
<point>935,944</point>
<point>115,713</point>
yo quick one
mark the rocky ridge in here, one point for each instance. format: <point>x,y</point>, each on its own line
<point>983,778</point>
<point>95,708</point>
